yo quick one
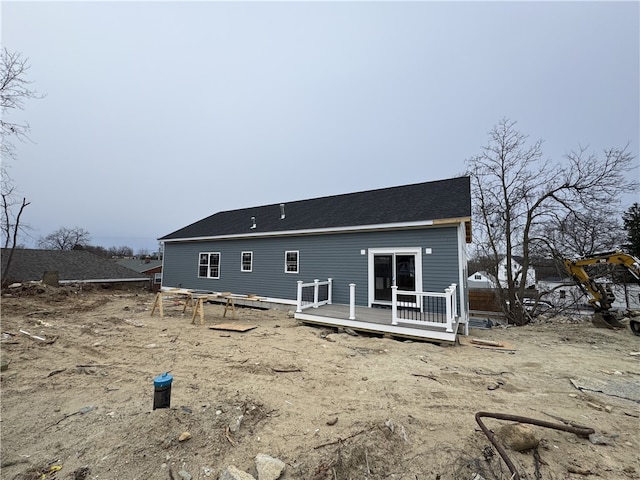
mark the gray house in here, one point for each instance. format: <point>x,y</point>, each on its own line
<point>397,252</point>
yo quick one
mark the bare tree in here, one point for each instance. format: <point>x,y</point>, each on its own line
<point>10,224</point>
<point>65,239</point>
<point>14,90</point>
<point>10,228</point>
<point>517,192</point>
<point>122,251</point>
<point>579,234</point>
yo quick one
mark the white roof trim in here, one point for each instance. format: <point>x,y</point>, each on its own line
<point>315,231</point>
<point>106,280</point>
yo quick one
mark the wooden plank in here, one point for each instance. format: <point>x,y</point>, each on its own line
<point>486,343</point>
<point>232,327</point>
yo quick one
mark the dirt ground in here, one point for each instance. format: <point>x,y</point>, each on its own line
<point>78,402</point>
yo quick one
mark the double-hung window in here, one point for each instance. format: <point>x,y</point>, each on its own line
<point>209,265</point>
<point>246,261</point>
<point>291,261</point>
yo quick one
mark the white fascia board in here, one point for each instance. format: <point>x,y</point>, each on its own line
<point>313,231</point>
<point>106,280</point>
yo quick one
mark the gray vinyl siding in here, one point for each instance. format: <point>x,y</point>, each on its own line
<point>336,256</point>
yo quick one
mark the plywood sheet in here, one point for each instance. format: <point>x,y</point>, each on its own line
<point>232,327</point>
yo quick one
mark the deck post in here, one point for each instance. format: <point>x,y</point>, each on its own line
<point>329,290</point>
<point>299,306</point>
<point>448,303</point>
<point>316,288</point>
<point>352,301</point>
<point>394,304</point>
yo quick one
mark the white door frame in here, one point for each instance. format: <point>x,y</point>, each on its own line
<point>416,251</point>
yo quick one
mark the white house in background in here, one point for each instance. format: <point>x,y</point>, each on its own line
<point>516,269</point>
<point>481,280</point>
<point>630,296</point>
<point>563,292</point>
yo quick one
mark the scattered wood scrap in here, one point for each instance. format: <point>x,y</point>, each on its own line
<point>431,377</point>
<point>487,344</point>
<point>227,435</point>
<point>42,340</point>
<point>286,369</point>
<point>341,440</point>
<point>233,327</point>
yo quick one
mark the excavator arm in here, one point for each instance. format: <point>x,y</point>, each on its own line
<point>601,298</point>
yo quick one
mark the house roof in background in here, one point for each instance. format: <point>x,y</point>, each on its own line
<point>139,264</point>
<point>420,202</point>
<point>71,265</point>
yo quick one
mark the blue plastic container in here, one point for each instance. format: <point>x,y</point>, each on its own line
<point>162,391</point>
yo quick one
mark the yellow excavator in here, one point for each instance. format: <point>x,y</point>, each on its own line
<point>600,297</point>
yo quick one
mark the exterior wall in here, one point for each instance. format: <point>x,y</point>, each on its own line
<point>342,257</point>
<point>155,287</point>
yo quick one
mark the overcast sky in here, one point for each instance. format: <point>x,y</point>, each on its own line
<point>158,114</point>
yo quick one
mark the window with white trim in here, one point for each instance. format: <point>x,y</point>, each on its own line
<point>246,261</point>
<point>157,278</point>
<point>291,261</point>
<point>209,265</point>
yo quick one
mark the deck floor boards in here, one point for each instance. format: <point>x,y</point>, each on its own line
<point>373,320</point>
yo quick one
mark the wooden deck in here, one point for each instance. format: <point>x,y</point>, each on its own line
<point>375,320</point>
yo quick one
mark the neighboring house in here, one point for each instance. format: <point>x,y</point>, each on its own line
<point>364,248</point>
<point>563,292</point>
<point>516,269</point>
<point>68,266</point>
<point>481,280</point>
<point>626,296</point>
<point>146,266</point>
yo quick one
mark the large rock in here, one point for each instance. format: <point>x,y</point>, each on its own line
<point>234,473</point>
<point>269,468</point>
<point>518,437</point>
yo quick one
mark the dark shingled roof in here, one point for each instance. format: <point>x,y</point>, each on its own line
<point>140,265</point>
<point>439,200</point>
<point>71,265</point>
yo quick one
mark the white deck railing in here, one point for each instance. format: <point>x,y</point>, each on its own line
<point>313,295</point>
<point>425,308</point>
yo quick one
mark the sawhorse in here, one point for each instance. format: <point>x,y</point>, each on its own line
<point>230,305</point>
<point>198,307</point>
<point>158,302</point>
